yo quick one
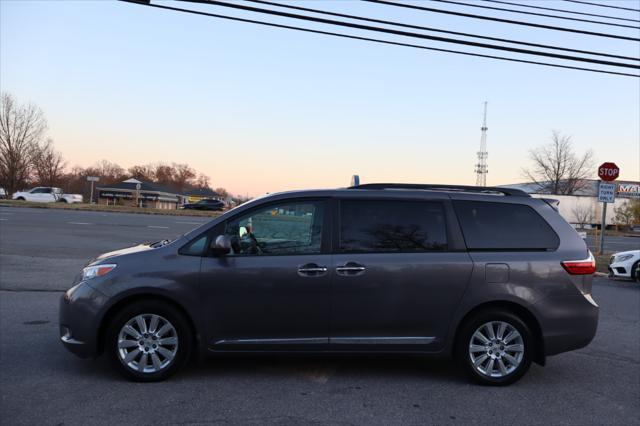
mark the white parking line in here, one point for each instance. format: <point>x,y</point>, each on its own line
<point>3,219</point>
<point>158,227</point>
<point>79,223</point>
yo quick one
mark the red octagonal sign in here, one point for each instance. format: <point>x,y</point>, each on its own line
<point>608,171</point>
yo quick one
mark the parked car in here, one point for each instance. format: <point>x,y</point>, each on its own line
<point>206,204</point>
<point>491,276</point>
<point>47,194</point>
<point>625,264</point>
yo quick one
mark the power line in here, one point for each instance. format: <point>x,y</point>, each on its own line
<point>393,43</point>
<point>399,24</point>
<point>507,21</point>
<point>603,5</point>
<point>535,13</point>
<point>410,34</point>
<point>561,10</point>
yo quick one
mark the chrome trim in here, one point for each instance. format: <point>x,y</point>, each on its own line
<point>318,269</point>
<point>350,269</point>
<point>408,340</point>
<point>302,340</point>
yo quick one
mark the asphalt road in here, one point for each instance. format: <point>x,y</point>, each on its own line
<point>41,383</point>
<point>614,244</point>
<point>46,248</point>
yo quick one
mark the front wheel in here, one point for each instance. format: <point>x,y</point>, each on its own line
<point>149,341</point>
<point>495,347</point>
<point>635,272</point>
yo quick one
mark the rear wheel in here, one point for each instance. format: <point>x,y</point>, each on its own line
<point>149,341</point>
<point>495,347</point>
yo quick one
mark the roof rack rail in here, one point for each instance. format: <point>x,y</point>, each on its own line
<point>434,187</point>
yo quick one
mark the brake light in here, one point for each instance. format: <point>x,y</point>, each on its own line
<point>580,267</point>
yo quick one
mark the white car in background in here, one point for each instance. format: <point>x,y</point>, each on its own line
<point>625,264</point>
<point>47,194</point>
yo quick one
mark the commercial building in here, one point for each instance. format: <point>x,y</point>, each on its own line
<point>582,207</point>
<point>133,192</point>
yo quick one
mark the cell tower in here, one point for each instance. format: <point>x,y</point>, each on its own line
<point>481,165</point>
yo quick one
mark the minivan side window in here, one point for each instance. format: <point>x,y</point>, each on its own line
<point>281,229</point>
<point>390,226</point>
<point>504,226</point>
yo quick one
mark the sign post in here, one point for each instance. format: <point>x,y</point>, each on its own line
<point>608,172</point>
<point>138,199</point>
<point>92,179</point>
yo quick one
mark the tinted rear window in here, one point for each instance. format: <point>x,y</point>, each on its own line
<point>504,226</point>
<point>391,226</point>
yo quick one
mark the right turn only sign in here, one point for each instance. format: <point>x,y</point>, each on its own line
<point>607,192</point>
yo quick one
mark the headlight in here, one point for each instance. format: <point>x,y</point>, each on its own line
<point>624,257</point>
<point>96,271</point>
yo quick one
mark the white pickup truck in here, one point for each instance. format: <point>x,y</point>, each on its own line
<point>47,194</point>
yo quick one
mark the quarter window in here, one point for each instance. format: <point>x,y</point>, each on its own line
<point>391,226</point>
<point>504,226</point>
<point>284,229</point>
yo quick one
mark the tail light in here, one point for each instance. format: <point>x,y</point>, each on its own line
<point>580,267</point>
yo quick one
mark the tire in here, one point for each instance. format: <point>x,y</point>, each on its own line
<point>635,272</point>
<point>516,362</point>
<point>172,345</point>
<point>62,200</point>
<point>20,199</point>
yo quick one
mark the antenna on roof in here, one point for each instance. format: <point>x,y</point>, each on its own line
<point>355,180</point>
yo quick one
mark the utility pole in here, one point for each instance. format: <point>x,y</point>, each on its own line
<point>481,166</point>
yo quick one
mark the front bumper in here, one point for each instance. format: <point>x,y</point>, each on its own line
<point>620,269</point>
<point>567,322</point>
<point>80,309</point>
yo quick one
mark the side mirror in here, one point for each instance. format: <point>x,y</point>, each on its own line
<point>221,245</point>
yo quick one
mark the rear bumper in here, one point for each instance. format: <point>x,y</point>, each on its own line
<point>568,323</point>
<point>79,313</point>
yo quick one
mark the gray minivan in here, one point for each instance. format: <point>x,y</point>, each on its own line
<point>489,275</point>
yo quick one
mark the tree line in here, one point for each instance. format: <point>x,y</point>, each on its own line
<point>28,158</point>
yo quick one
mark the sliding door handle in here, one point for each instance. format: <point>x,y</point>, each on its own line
<point>350,268</point>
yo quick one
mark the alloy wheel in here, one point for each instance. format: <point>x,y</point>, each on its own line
<point>496,349</point>
<point>147,343</point>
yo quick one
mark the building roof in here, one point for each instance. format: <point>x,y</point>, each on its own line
<point>589,190</point>
<point>130,185</point>
<point>201,192</point>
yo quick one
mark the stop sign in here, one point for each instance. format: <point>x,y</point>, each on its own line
<point>608,171</point>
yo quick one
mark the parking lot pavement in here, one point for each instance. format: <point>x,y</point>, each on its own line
<point>42,384</point>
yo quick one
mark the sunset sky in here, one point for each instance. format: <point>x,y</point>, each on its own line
<point>264,109</point>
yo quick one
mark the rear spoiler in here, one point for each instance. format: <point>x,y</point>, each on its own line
<point>553,203</point>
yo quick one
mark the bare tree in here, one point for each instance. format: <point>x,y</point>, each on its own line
<point>557,169</point>
<point>183,176</point>
<point>203,181</point>
<point>48,164</point>
<point>107,171</point>
<point>141,172</point>
<point>222,192</point>
<point>22,128</point>
<point>582,214</point>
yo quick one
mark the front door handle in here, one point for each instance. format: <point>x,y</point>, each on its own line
<point>350,269</point>
<point>311,270</point>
